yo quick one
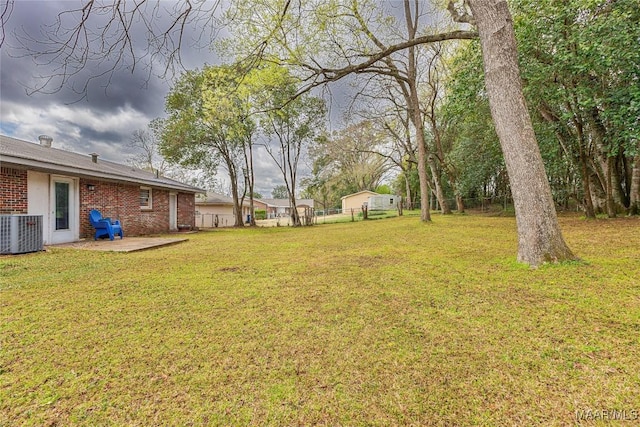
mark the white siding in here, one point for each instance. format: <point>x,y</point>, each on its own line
<point>38,200</point>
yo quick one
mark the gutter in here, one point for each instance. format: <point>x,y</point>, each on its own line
<point>84,173</point>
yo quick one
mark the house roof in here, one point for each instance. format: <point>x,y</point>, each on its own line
<point>359,192</point>
<point>16,152</point>
<point>284,203</point>
<point>211,198</point>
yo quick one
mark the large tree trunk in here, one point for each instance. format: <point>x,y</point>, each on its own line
<point>539,237</point>
<point>413,102</point>
<point>423,153</point>
<point>425,215</point>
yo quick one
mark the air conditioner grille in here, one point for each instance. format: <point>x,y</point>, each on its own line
<point>20,234</point>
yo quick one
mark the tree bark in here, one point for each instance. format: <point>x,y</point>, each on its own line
<point>425,215</point>
<point>407,185</point>
<point>431,116</point>
<point>539,237</point>
<point>237,206</point>
<point>413,102</point>
<point>634,196</point>
<point>437,183</point>
<point>586,188</point>
<point>620,197</point>
<point>459,203</point>
<point>251,181</point>
<point>585,174</point>
<point>611,207</point>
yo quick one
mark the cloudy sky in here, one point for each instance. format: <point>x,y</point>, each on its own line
<point>102,122</point>
<point>102,118</point>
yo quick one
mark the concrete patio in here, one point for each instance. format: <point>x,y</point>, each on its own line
<point>128,244</point>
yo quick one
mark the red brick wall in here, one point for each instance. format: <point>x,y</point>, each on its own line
<point>122,202</point>
<point>186,209</point>
<point>13,191</point>
<point>115,200</point>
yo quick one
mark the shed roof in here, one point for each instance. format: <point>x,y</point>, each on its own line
<point>28,155</point>
<point>373,193</point>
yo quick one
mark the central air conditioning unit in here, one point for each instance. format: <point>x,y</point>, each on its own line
<point>20,234</point>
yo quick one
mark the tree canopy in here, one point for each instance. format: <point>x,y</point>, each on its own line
<point>209,124</point>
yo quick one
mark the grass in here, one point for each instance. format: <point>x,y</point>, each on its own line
<point>387,322</point>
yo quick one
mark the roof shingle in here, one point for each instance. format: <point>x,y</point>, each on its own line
<point>35,156</point>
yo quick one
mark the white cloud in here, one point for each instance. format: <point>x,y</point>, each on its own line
<point>69,125</point>
<point>124,120</point>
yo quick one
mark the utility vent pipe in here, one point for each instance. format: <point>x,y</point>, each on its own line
<point>45,140</point>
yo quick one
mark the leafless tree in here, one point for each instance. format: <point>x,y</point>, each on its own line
<point>6,8</point>
<point>97,39</point>
<point>147,154</point>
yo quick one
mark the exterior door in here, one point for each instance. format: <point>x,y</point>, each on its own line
<point>173,211</point>
<point>64,212</point>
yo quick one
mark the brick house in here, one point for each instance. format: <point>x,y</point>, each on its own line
<point>64,187</point>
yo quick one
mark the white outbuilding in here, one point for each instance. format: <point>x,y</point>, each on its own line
<point>383,202</point>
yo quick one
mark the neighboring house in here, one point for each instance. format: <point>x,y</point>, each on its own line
<point>260,205</point>
<point>64,187</point>
<point>212,205</point>
<point>356,200</point>
<point>383,202</point>
<point>281,208</point>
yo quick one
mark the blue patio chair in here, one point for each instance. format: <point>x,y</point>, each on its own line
<point>104,226</point>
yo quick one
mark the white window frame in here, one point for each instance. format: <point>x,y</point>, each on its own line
<point>149,204</point>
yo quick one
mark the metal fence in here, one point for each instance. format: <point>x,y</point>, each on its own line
<point>208,220</point>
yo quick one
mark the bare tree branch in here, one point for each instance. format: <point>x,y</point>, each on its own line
<point>100,38</point>
<point>326,75</point>
<point>6,7</point>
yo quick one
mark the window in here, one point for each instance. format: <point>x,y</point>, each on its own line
<point>62,205</point>
<point>145,198</point>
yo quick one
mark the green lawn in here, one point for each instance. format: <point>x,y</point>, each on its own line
<point>388,322</point>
